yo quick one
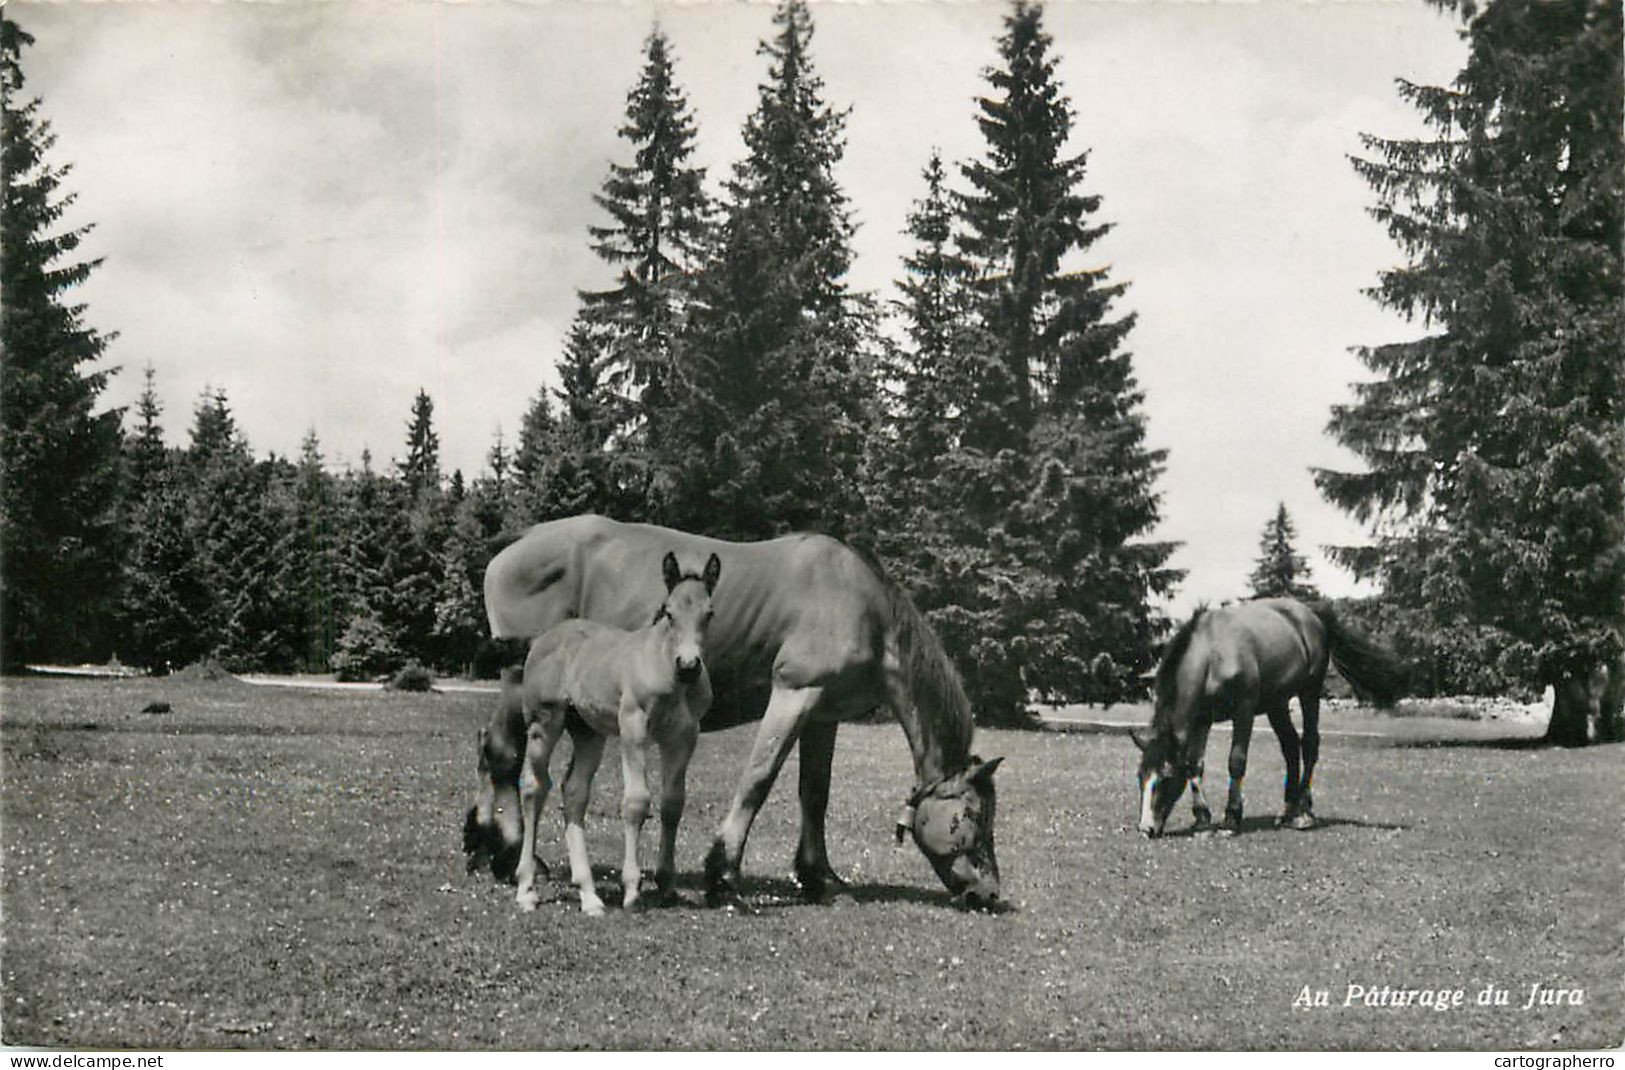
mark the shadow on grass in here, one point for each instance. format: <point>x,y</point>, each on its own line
<point>1516,743</point>
<point>1266,824</point>
<point>760,894</point>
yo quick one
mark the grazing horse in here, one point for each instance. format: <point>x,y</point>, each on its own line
<point>1229,664</point>
<point>650,688</point>
<point>806,633</point>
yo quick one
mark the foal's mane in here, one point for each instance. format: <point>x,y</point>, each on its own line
<point>940,703</point>
<point>1172,655</point>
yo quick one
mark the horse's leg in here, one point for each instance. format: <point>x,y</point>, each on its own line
<point>1281,721</point>
<point>1199,807</point>
<point>1241,734</point>
<point>587,753</point>
<point>783,722</point>
<point>813,872</point>
<point>675,754</point>
<point>635,797</point>
<point>534,784</point>
<point>1309,703</point>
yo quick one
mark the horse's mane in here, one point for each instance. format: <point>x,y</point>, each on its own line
<point>1172,655</point>
<point>941,704</point>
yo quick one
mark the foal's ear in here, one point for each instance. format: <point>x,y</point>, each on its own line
<point>713,569</point>
<point>1139,741</point>
<point>670,570</point>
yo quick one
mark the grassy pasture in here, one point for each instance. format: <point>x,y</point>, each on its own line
<point>268,868</point>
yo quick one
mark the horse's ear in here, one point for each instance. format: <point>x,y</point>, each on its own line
<point>670,570</point>
<point>982,772</point>
<point>713,569</point>
<point>1139,741</point>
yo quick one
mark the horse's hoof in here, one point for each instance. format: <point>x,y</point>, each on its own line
<point>820,886</point>
<point>593,908</point>
<point>1303,822</point>
<point>726,898</point>
<point>1204,821</point>
<point>528,901</point>
<point>665,897</point>
<point>635,905</point>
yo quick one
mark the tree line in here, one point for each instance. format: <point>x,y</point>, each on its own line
<point>980,434</point>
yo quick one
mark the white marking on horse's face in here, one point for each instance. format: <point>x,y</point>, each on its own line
<point>1148,817</point>
<point>688,609</point>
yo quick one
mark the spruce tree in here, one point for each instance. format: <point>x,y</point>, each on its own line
<point>586,473</point>
<point>420,470</point>
<point>159,593</point>
<point>659,218</point>
<point>1280,571</point>
<point>1493,445</point>
<point>316,556</point>
<point>777,355</point>
<point>59,458</point>
<point>1048,493</point>
<point>534,462</point>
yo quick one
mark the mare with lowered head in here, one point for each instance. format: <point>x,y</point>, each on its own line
<point>650,688</point>
<point>1232,663</point>
<point>809,633</point>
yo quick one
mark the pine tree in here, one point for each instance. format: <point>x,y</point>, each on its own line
<point>159,593</point>
<point>925,379</point>
<point>59,458</point>
<point>222,497</point>
<point>533,464</point>
<point>658,229</point>
<point>372,512</point>
<point>412,557</point>
<point>777,404</point>
<point>316,556</point>
<point>1280,571</point>
<point>459,612</point>
<point>1048,491</point>
<point>587,474</point>
<point>1493,445</point>
<point>420,471</point>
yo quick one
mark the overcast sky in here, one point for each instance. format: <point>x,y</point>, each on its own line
<point>321,208</point>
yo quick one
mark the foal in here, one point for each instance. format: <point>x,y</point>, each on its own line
<point>650,687</point>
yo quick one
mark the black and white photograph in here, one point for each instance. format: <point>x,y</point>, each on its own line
<point>801,525</point>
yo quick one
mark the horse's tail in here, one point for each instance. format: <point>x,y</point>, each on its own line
<point>1373,670</point>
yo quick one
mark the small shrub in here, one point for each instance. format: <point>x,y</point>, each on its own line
<point>411,677</point>
<point>204,669</point>
<point>365,650</point>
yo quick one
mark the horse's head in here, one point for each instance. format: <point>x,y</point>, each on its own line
<point>952,822</point>
<point>1163,773</point>
<point>686,612</point>
<point>491,829</point>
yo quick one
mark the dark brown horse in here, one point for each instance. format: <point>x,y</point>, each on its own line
<point>806,633</point>
<point>1230,664</point>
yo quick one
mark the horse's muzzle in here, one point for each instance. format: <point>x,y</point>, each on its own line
<point>974,899</point>
<point>688,671</point>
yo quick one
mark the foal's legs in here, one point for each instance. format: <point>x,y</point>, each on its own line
<point>635,796</point>
<point>1241,734</point>
<point>534,784</point>
<point>1281,721</point>
<point>675,753</point>
<point>1309,703</point>
<point>588,751</point>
